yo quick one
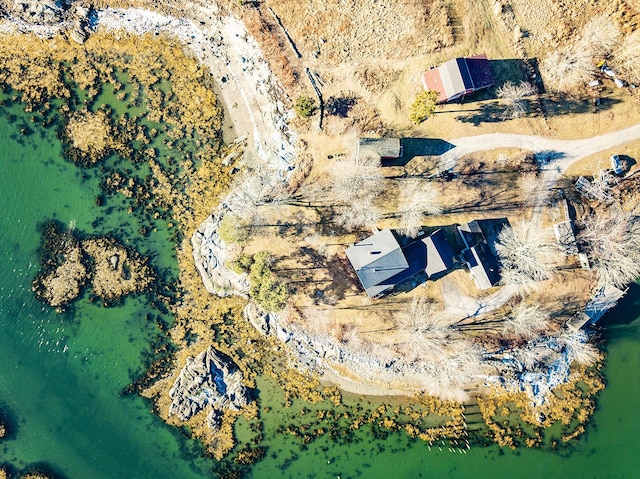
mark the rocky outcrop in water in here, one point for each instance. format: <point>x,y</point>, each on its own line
<point>69,264</point>
<point>210,380</point>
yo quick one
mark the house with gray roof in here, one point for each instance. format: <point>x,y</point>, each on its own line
<point>479,237</point>
<point>378,261</point>
<point>381,262</point>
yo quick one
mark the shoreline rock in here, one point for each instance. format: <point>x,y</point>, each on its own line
<point>210,380</point>
<point>209,255</point>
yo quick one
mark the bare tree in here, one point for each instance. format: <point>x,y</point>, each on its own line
<point>531,186</point>
<point>355,178</point>
<point>361,213</point>
<point>255,187</point>
<point>527,254</point>
<point>565,68</point>
<point>600,35</point>
<point>422,316</point>
<point>454,371</point>
<point>417,199</point>
<point>601,185</point>
<point>569,66</point>
<point>626,58</point>
<point>317,241</point>
<point>578,347</point>
<point>528,356</point>
<point>514,95</point>
<point>526,321</point>
<point>426,330</point>
<point>612,242</point>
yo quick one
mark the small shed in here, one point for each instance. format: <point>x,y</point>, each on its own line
<point>459,77</point>
<point>384,148</point>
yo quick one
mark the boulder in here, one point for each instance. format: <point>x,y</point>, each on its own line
<point>210,380</point>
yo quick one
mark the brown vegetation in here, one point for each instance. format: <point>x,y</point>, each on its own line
<point>116,271</point>
<point>90,133</point>
<point>571,404</point>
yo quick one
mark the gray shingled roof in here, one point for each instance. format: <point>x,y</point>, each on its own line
<point>440,257</point>
<point>483,265</point>
<point>479,237</point>
<point>382,147</point>
<point>377,259</point>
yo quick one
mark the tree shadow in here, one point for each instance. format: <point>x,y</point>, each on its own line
<point>546,157</point>
<point>340,106</point>
<point>626,312</point>
<point>553,104</point>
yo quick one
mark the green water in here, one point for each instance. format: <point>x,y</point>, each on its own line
<point>61,375</point>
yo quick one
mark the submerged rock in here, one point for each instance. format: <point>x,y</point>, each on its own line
<point>117,270</point>
<point>64,270</point>
<point>111,269</point>
<point>208,380</point>
<point>62,285</point>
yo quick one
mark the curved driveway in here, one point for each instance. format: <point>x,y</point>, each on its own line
<point>567,152</point>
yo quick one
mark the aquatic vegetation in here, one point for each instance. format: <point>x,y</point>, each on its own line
<point>112,270</point>
<point>90,135</point>
<point>513,420</point>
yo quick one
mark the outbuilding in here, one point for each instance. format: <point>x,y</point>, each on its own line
<point>459,77</point>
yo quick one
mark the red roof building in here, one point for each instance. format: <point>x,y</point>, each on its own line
<point>459,77</point>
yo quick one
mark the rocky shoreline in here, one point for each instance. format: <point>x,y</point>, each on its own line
<point>210,254</point>
<point>208,381</point>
